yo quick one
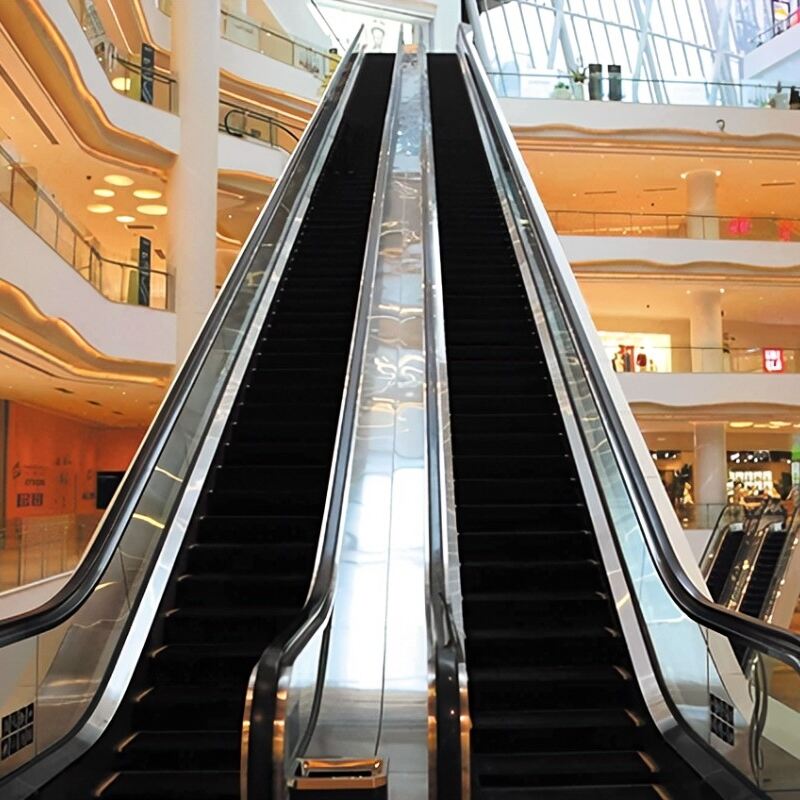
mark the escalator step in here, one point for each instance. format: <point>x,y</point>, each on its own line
<point>181,750</point>
<point>173,785</point>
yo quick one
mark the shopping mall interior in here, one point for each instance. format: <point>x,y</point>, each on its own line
<point>396,399</point>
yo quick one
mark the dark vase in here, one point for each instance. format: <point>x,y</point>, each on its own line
<point>595,81</point>
<point>614,82</point>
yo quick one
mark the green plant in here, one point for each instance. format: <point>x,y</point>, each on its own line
<point>578,74</point>
<point>562,85</point>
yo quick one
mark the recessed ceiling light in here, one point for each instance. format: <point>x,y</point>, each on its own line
<point>104,192</point>
<point>147,194</point>
<point>125,218</point>
<point>779,424</point>
<point>741,424</point>
<point>118,180</point>
<point>152,210</point>
<point>121,83</point>
<point>100,208</point>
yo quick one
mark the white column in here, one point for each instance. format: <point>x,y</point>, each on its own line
<point>701,190</point>
<point>705,330</point>
<point>710,473</point>
<point>192,189</point>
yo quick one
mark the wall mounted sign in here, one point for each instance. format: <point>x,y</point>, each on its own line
<point>148,71</point>
<point>145,256</point>
<point>773,359</point>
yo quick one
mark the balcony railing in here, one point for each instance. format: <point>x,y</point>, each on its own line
<point>675,226</point>
<point>125,74</point>
<point>255,36</point>
<point>767,360</point>
<point>256,126</point>
<point>776,28</point>
<point>116,280</point>
<point>538,85</point>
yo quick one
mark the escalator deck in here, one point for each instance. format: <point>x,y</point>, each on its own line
<point>555,706</point>
<point>246,562</point>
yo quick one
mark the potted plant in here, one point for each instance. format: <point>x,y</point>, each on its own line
<point>577,77</point>
<point>561,91</point>
<point>779,99</point>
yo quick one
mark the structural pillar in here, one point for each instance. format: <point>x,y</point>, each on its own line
<point>705,330</point>
<point>192,188</point>
<point>710,473</point>
<point>701,189</point>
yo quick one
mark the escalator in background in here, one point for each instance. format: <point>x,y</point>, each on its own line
<point>247,558</point>
<point>555,707</point>
<point>762,572</point>
<point>727,547</point>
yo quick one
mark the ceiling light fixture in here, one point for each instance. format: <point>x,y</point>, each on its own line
<point>741,424</point>
<point>104,192</point>
<point>121,83</point>
<point>118,180</point>
<point>147,194</point>
<point>125,218</point>
<point>152,210</point>
<point>99,208</point>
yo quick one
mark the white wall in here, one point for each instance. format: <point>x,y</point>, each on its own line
<point>245,155</point>
<point>688,390</point>
<point>296,19</point>
<point>660,122</point>
<point>641,249</point>
<point>116,329</point>
<point>777,59</point>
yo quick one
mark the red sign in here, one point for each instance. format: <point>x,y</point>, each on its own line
<point>773,359</point>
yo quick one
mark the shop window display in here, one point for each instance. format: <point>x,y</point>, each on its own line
<point>638,352</point>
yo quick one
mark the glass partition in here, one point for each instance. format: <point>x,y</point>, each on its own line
<point>272,130</point>
<point>722,689</point>
<point>116,280</point>
<point>675,226</point>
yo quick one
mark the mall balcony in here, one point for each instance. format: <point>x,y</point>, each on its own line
<point>354,443</point>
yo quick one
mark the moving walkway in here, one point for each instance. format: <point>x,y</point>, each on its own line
<point>399,363</point>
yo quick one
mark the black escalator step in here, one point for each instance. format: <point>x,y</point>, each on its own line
<point>465,402</point>
<point>504,611</point>
<point>511,466</point>
<point>616,791</point>
<point>527,352</point>
<point>478,546</point>
<point>301,346</point>
<point>298,498</point>
<point>264,479</point>
<point>283,591</point>
<point>257,557</point>
<point>224,626</point>
<point>269,430</point>
<point>271,390</point>
<point>531,769</point>
<point>173,785</point>
<point>297,453</point>
<point>261,528</point>
<point>306,377</point>
<point>181,750</point>
<point>500,380</point>
<point>204,664</point>
<point>188,708</point>
<point>488,444</point>
<point>541,688</point>
<point>579,645</point>
<point>543,488</point>
<point>524,422</point>
<point>477,330</point>
<point>552,515</point>
<point>283,359</point>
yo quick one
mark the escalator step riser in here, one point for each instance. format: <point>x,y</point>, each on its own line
<point>567,651</point>
<point>255,559</point>
<point>234,629</point>
<point>192,591</point>
<point>506,519</point>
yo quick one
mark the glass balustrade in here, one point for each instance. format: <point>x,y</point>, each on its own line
<point>277,130</point>
<point>753,360</point>
<point>35,548</point>
<point>780,95</point>
<point>675,226</point>
<point>116,280</point>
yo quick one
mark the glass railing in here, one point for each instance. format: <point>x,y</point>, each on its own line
<point>675,226</point>
<point>154,86</point>
<point>778,27</point>
<point>720,680</point>
<point>116,280</point>
<point>258,127</point>
<point>698,515</point>
<point>254,35</point>
<point>34,548</point>
<point>769,360</point>
<point>533,85</point>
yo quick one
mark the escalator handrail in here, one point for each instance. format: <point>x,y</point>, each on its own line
<point>777,642</point>
<point>784,559</point>
<point>258,775</point>
<point>111,527</point>
<point>272,121</point>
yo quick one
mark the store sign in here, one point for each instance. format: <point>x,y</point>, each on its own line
<point>148,71</point>
<point>145,256</point>
<point>773,359</point>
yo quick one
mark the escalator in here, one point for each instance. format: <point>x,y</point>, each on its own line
<point>247,558</point>
<point>555,707</point>
<point>762,573</point>
<point>728,546</point>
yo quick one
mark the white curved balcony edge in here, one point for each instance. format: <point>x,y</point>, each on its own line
<point>247,156</point>
<point>639,253</point>
<point>659,124</point>
<point>117,330</point>
<point>742,392</point>
<point>145,121</point>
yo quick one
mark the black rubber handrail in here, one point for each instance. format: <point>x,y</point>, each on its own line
<point>89,571</point>
<point>776,642</point>
<point>271,121</point>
